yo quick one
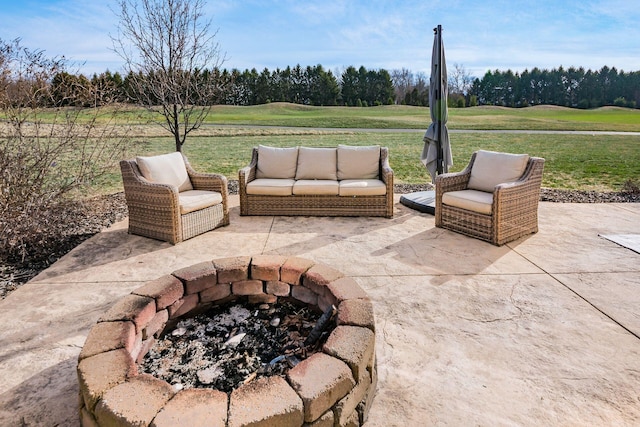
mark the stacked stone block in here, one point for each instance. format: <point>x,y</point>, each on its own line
<point>334,387</point>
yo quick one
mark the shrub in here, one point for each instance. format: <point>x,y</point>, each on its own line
<point>48,152</point>
<point>583,104</point>
<point>631,186</point>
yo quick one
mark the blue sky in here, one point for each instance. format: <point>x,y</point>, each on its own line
<point>478,35</point>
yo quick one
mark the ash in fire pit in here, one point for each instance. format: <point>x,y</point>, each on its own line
<point>232,344</point>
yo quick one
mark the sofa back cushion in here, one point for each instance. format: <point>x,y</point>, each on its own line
<point>165,169</point>
<point>490,169</point>
<point>358,162</point>
<point>316,163</point>
<point>277,163</point>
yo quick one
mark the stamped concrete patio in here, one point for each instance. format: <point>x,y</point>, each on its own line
<point>542,331</point>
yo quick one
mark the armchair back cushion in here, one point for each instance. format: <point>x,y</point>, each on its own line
<point>316,163</point>
<point>490,169</point>
<point>277,163</point>
<point>165,169</point>
<point>358,162</point>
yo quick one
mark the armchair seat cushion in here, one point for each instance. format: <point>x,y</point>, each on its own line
<point>362,187</point>
<point>491,168</point>
<point>165,169</point>
<point>193,200</point>
<point>271,187</point>
<point>316,187</point>
<point>471,200</point>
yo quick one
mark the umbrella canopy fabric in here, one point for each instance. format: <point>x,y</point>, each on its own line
<point>436,153</point>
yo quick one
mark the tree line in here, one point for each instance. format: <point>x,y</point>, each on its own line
<point>313,85</point>
<point>572,87</point>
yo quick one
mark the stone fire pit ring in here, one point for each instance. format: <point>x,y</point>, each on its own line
<point>335,386</point>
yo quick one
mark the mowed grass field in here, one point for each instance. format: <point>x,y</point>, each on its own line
<point>590,161</point>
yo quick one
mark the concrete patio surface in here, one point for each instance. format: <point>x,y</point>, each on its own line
<point>542,331</point>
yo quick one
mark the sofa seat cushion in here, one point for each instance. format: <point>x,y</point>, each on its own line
<point>471,200</point>
<point>317,163</point>
<point>490,169</point>
<point>271,187</point>
<point>317,187</point>
<point>165,169</point>
<point>358,162</point>
<point>193,200</point>
<point>362,187</point>
<point>275,162</point>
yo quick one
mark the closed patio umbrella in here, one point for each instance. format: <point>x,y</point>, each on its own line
<point>436,153</point>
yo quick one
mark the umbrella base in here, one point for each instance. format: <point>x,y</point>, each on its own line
<point>422,201</point>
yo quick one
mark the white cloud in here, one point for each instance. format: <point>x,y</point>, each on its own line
<point>479,35</point>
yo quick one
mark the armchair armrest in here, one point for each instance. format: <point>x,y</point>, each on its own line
<point>455,181</point>
<point>207,181</point>
<point>524,190</point>
<point>210,182</point>
<point>143,193</point>
<point>452,181</point>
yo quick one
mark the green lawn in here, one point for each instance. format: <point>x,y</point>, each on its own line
<point>584,161</point>
<point>407,117</point>
<point>399,117</point>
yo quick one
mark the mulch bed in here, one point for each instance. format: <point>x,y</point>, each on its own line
<point>94,215</point>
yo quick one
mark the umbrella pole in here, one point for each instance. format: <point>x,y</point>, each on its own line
<point>440,158</point>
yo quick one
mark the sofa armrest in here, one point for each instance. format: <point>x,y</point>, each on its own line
<point>245,176</point>
<point>248,173</point>
<point>386,173</point>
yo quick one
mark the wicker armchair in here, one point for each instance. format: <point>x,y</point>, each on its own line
<point>161,211</point>
<point>497,212</point>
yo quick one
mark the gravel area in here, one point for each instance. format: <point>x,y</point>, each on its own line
<point>92,216</point>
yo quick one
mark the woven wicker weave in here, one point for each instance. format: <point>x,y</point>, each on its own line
<point>514,212</point>
<point>154,210</point>
<point>314,205</point>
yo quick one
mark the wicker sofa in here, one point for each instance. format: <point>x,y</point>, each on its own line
<point>337,181</point>
<point>495,198</point>
<point>168,200</point>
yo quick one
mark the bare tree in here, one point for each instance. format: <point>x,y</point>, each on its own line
<point>402,82</point>
<point>421,81</point>
<point>172,60</point>
<point>460,80</point>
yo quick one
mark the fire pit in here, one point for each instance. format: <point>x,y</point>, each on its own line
<point>333,386</point>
